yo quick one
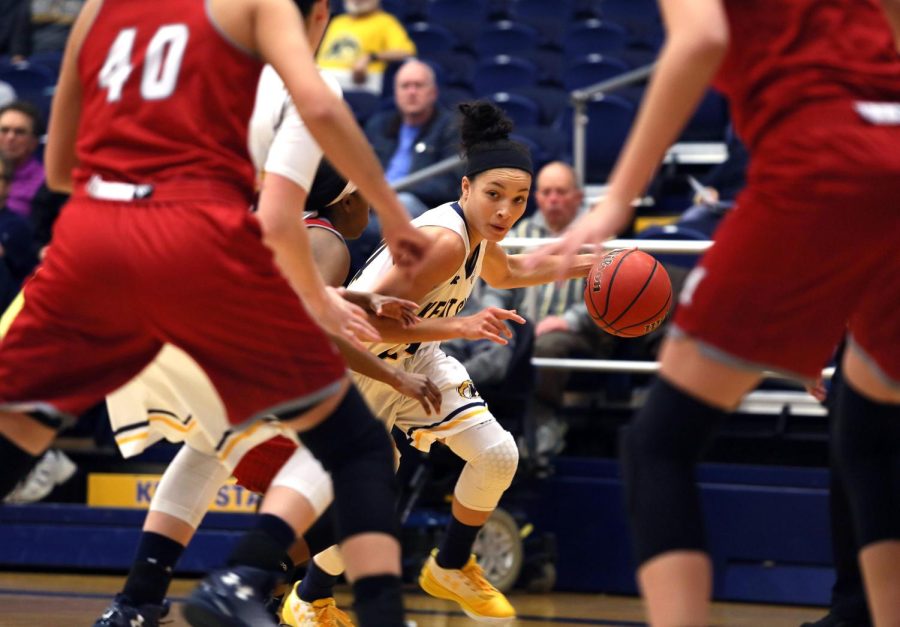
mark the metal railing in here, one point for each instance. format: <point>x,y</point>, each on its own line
<point>757,402</point>
<point>580,99</point>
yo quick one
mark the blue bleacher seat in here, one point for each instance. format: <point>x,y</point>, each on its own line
<point>677,231</point>
<point>503,73</point>
<point>464,18</point>
<point>639,17</point>
<point>591,69</point>
<point>458,66</point>
<point>363,104</point>
<point>406,10</point>
<point>550,64</point>
<point>709,121</point>
<point>50,59</point>
<point>451,95</point>
<point>431,38</point>
<point>549,17</point>
<point>594,36</point>
<point>32,83</point>
<point>522,110</point>
<point>609,118</point>
<point>507,37</point>
<point>551,101</point>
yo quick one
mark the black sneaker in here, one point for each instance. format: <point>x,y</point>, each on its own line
<point>830,620</point>
<point>123,613</point>
<point>232,597</point>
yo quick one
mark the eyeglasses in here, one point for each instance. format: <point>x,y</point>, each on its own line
<point>18,131</point>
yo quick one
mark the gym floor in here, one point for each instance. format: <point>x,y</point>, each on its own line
<point>29,599</point>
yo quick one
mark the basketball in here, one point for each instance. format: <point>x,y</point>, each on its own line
<point>628,293</point>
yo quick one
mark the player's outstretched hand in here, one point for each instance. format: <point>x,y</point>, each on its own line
<point>346,320</point>
<point>408,245</point>
<point>384,306</point>
<point>605,220</point>
<point>488,324</point>
<point>421,388</point>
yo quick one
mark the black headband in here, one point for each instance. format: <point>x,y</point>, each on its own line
<point>500,154</point>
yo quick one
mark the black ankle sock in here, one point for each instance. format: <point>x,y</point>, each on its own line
<point>265,545</point>
<point>316,584</point>
<point>456,547</point>
<point>378,601</point>
<point>150,575</point>
<point>16,464</point>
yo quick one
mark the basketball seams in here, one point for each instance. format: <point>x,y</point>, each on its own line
<point>609,286</point>
<point>638,295</point>
<point>650,291</point>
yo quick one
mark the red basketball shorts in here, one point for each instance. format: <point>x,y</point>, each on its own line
<point>809,252</point>
<point>186,267</point>
<point>260,464</point>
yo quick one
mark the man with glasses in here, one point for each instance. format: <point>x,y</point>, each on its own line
<point>20,131</point>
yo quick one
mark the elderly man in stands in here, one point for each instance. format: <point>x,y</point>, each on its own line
<point>417,134</point>
<point>19,138</point>
<point>562,326</point>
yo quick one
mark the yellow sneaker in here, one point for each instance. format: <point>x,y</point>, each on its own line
<point>321,613</point>
<point>468,587</point>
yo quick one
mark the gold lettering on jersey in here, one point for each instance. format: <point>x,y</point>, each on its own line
<point>442,308</point>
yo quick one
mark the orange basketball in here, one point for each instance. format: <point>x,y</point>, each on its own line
<point>628,293</point>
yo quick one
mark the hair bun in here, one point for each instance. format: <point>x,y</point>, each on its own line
<point>482,122</point>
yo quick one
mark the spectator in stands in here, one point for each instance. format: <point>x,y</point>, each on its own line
<point>417,134</point>
<point>16,257</point>
<point>360,43</point>
<point>562,326</point>
<point>20,131</point>
<point>14,18</point>
<point>44,25</point>
<point>721,185</point>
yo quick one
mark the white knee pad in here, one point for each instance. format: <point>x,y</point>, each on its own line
<point>330,560</point>
<point>189,485</point>
<point>303,474</point>
<point>492,458</point>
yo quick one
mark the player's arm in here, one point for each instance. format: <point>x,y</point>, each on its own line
<point>892,11</point>
<point>285,233</point>
<point>331,256</point>
<point>279,39</point>
<point>65,110</point>
<point>448,252</point>
<point>508,271</point>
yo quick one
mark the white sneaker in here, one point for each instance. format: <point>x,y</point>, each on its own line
<point>53,469</point>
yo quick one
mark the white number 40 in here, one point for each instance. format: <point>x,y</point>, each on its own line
<point>161,65</point>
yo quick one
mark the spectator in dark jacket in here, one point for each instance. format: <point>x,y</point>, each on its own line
<point>415,135</point>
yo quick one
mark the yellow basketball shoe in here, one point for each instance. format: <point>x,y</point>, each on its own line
<point>320,613</point>
<point>468,587</point>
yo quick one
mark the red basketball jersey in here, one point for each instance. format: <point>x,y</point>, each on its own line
<point>155,106</point>
<point>785,54</point>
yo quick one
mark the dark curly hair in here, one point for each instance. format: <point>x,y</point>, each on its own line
<point>485,142</point>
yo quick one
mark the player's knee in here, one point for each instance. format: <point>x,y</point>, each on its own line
<point>488,474</point>
<point>356,450</point>
<point>303,474</point>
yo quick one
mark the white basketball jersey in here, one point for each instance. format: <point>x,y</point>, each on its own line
<point>445,300</point>
<point>278,139</point>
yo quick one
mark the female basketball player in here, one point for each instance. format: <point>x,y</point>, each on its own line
<point>815,93</point>
<point>465,235</point>
<point>156,249</point>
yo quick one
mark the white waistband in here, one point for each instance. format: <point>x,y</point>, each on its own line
<point>109,190</point>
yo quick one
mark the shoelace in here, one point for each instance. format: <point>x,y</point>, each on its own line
<point>475,576</point>
<point>329,615</point>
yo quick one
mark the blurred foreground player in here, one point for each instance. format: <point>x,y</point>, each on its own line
<point>156,248</point>
<point>815,94</point>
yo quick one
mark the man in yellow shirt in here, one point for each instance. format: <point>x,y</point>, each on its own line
<point>360,43</point>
